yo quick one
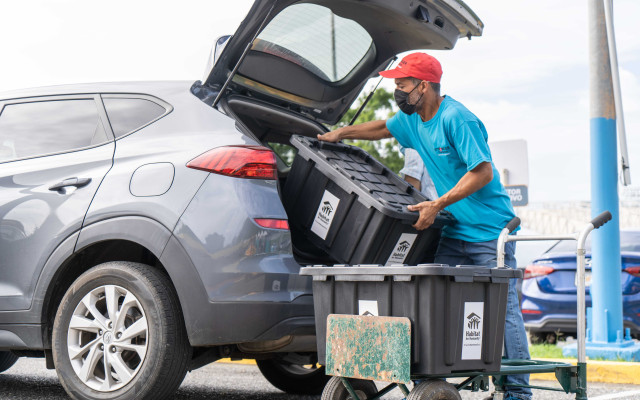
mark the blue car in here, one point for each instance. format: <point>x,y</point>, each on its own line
<point>549,290</point>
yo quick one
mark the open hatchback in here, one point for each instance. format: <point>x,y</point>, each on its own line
<point>314,57</point>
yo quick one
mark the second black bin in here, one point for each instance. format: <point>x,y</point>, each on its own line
<point>457,313</point>
<point>354,208</point>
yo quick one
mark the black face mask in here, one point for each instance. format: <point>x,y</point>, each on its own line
<point>401,98</point>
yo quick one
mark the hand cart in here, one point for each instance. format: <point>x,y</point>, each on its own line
<point>361,349</point>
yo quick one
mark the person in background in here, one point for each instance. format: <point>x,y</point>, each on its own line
<point>416,174</point>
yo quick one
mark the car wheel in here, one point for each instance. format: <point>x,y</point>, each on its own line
<point>119,334</point>
<point>293,378</point>
<point>7,359</point>
<point>434,390</point>
<point>335,389</point>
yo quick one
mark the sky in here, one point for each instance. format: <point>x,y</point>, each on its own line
<point>527,77</point>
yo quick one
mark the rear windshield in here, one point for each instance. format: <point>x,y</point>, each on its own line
<point>629,241</point>
<point>313,37</point>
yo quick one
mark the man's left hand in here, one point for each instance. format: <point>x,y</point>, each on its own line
<point>428,211</point>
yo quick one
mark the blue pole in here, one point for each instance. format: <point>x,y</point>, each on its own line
<point>606,293</point>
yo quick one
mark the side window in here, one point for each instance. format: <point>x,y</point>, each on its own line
<point>45,127</point>
<point>128,114</point>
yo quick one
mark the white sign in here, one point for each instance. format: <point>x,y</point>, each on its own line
<point>472,321</point>
<point>402,248</point>
<point>324,215</point>
<point>511,156</point>
<point>368,307</point>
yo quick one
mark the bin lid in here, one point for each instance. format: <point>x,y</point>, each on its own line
<point>363,273</point>
<point>355,171</point>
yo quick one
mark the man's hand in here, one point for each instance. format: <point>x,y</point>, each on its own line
<point>372,130</point>
<point>428,211</point>
<point>333,136</point>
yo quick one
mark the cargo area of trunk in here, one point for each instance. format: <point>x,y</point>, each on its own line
<point>372,224</point>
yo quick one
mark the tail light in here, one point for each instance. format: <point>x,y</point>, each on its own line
<point>533,271</point>
<point>249,162</point>
<point>531,312</point>
<point>272,223</point>
<point>634,270</point>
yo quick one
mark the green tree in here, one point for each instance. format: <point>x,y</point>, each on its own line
<point>381,106</point>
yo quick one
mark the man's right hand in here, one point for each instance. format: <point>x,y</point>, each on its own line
<point>372,130</point>
<point>333,136</point>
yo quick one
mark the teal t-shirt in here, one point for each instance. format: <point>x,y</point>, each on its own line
<point>452,143</point>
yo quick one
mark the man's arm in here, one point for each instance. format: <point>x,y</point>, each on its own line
<point>372,130</point>
<point>470,183</point>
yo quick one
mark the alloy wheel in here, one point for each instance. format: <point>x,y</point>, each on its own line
<point>107,338</point>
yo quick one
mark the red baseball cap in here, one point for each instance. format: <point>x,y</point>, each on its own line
<point>416,65</point>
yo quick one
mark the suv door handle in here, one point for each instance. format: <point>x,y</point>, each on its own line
<point>77,182</point>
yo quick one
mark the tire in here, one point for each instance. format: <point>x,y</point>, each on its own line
<point>335,389</point>
<point>434,390</point>
<point>141,336</point>
<point>293,379</point>
<point>7,359</point>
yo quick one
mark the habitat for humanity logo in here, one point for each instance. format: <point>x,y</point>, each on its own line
<point>474,321</point>
<point>401,249</point>
<point>472,339</point>
<point>327,209</point>
<point>324,215</point>
<point>404,246</point>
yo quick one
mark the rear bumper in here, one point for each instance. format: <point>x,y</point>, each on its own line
<point>229,323</point>
<point>566,325</point>
<point>558,310</point>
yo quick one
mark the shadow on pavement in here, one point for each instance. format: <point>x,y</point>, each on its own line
<point>20,387</point>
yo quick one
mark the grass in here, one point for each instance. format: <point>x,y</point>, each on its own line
<point>545,351</point>
<point>553,351</point>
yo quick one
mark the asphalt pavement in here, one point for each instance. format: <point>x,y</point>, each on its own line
<point>28,379</point>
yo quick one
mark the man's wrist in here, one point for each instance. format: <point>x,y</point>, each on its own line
<point>439,204</point>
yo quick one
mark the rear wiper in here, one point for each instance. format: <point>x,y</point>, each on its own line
<point>364,104</point>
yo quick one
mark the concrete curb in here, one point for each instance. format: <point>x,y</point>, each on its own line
<point>597,371</point>
<point>601,371</point>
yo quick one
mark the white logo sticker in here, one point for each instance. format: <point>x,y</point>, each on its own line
<point>324,216</point>
<point>402,248</point>
<point>472,321</point>
<point>368,307</point>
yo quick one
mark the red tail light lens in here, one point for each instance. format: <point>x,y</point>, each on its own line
<point>272,223</point>
<point>249,162</point>
<point>533,271</point>
<point>635,271</point>
<point>534,312</point>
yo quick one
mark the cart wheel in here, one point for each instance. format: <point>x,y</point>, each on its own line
<point>335,389</point>
<point>434,390</point>
<point>292,378</point>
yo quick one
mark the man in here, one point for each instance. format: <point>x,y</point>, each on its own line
<point>452,143</point>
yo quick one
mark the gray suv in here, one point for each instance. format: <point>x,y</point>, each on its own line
<point>142,233</point>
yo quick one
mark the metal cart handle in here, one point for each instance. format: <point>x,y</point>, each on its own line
<point>601,219</point>
<point>581,238</point>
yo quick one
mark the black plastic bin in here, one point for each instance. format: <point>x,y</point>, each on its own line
<point>457,313</point>
<point>354,208</point>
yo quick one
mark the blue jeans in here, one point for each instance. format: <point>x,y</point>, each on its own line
<point>458,252</point>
